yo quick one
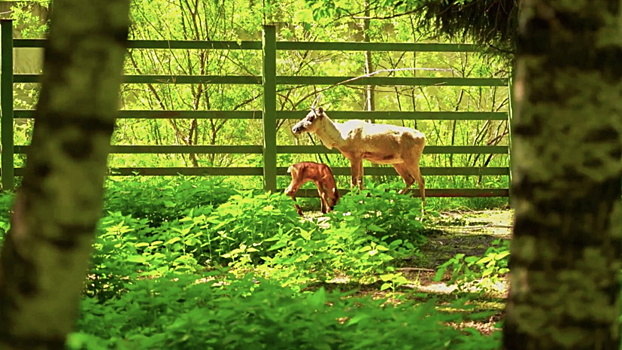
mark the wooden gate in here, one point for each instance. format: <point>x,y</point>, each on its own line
<point>269,114</point>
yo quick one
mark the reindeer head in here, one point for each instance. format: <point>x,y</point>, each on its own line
<point>310,122</point>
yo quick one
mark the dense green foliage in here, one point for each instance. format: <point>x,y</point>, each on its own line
<point>252,231</point>
<point>190,263</point>
<point>253,313</point>
<point>478,272</point>
<point>163,199</point>
<point>461,19</point>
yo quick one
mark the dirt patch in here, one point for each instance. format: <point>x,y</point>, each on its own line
<point>470,233</point>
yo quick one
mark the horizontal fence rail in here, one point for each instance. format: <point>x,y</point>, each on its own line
<point>254,171</point>
<point>290,80</point>
<point>434,192</point>
<point>295,115</point>
<point>268,115</point>
<point>252,149</point>
<point>280,45</point>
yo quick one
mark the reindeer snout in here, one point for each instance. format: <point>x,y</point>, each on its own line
<point>297,129</point>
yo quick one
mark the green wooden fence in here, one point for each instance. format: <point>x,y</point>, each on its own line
<point>269,115</point>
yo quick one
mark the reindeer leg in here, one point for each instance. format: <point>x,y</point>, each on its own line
<point>356,167</point>
<point>412,164</point>
<point>415,172</point>
<point>409,178</point>
<point>353,174</point>
<point>405,174</point>
<point>421,182</point>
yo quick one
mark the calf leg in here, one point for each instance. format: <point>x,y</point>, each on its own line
<point>291,191</point>
<point>323,203</point>
<point>324,198</point>
<point>298,209</point>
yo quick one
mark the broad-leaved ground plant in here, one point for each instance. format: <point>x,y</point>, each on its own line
<point>255,313</point>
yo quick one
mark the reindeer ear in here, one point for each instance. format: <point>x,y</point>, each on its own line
<point>320,110</point>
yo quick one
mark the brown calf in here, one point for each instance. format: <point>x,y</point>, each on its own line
<point>323,178</point>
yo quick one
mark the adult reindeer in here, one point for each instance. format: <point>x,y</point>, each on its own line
<point>379,143</point>
<point>323,178</point>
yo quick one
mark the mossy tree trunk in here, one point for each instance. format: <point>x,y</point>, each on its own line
<point>567,166</point>
<point>45,255</point>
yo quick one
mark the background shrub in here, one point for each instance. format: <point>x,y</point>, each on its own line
<point>161,199</point>
<point>383,213</point>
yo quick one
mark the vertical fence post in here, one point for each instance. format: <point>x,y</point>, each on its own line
<point>269,107</point>
<point>6,104</point>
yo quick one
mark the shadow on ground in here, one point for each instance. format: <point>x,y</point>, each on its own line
<point>469,233</point>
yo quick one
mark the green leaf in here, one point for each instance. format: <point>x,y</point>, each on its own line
<point>375,228</point>
<point>388,276</point>
<point>365,248</point>
<point>357,318</point>
<point>305,234</point>
<point>317,299</point>
<point>303,16</point>
<point>278,245</point>
<point>439,274</point>
<point>501,255</point>
<point>484,260</point>
<point>137,259</point>
<point>172,240</point>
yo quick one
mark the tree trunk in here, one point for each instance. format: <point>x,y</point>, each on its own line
<point>370,90</point>
<point>567,166</point>
<point>45,255</point>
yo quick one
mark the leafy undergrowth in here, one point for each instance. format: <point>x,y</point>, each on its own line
<point>190,265</point>
<point>254,313</point>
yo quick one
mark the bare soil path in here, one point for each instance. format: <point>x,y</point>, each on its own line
<point>468,232</point>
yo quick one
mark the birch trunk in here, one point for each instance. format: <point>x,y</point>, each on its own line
<point>44,257</point>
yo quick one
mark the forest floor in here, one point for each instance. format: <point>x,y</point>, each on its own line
<point>455,232</point>
<point>469,233</point>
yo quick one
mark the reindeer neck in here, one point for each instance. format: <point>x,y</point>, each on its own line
<point>329,134</point>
